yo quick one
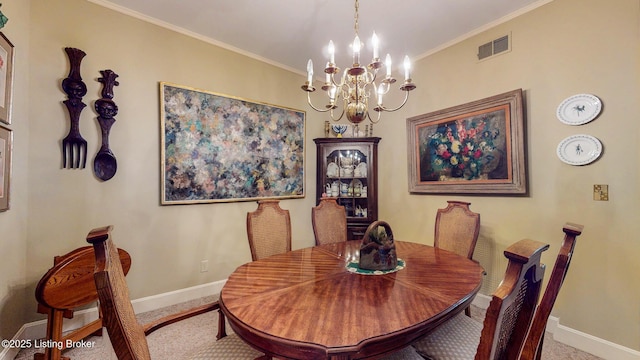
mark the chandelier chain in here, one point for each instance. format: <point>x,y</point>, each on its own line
<point>355,27</point>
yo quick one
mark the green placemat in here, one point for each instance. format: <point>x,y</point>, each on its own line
<point>352,266</point>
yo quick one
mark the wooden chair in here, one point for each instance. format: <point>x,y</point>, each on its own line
<point>329,222</point>
<point>268,229</point>
<point>66,286</point>
<point>533,344</point>
<point>457,229</point>
<point>507,319</point>
<point>127,336</point>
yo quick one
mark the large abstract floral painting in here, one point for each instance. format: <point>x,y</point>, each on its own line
<point>218,148</point>
<point>471,148</point>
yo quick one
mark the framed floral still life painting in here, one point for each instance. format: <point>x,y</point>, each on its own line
<point>6,148</point>
<point>6,78</point>
<point>474,148</point>
<point>219,148</point>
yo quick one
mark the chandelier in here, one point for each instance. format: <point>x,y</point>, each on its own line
<point>357,83</point>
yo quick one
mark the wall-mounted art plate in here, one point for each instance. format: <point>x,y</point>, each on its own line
<point>579,149</point>
<point>579,109</point>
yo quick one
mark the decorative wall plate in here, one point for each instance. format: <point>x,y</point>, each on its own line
<point>579,109</point>
<point>579,149</point>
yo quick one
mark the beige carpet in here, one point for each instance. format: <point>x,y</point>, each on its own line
<point>178,340</point>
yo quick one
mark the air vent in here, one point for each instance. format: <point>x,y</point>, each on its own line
<point>495,47</point>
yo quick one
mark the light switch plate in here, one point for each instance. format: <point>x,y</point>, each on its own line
<point>601,192</point>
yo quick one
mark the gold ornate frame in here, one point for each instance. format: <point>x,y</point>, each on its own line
<point>474,148</point>
<point>220,148</point>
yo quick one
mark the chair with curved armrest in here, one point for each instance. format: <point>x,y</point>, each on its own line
<point>507,318</point>
<point>533,344</point>
<point>329,222</point>
<point>268,230</point>
<point>457,229</point>
<point>69,285</point>
<point>127,336</point>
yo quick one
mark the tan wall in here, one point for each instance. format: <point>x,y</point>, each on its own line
<point>560,49</point>
<point>166,243</point>
<point>563,48</point>
<point>14,223</point>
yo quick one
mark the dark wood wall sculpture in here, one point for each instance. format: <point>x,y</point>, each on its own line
<point>74,147</point>
<point>105,164</point>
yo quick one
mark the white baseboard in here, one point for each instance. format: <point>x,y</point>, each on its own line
<point>38,329</point>
<point>594,345</point>
<point>579,340</point>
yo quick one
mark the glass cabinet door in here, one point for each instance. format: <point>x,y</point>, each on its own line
<point>347,180</point>
<point>346,170</point>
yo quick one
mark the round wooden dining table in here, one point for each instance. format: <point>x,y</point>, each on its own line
<point>310,304</point>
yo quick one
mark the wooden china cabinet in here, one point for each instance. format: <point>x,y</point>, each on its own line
<point>347,169</point>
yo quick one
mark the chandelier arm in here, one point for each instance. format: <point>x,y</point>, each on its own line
<point>377,118</point>
<point>386,87</point>
<point>313,107</point>
<point>343,80</point>
<point>374,74</point>
<point>368,116</point>
<point>383,108</point>
<point>334,118</point>
<point>333,81</point>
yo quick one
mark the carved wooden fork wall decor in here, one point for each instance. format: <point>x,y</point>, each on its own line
<point>74,147</point>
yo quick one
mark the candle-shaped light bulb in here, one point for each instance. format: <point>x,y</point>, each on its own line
<point>332,52</point>
<point>356,50</point>
<point>374,40</point>
<point>380,93</point>
<point>387,64</point>
<point>309,71</point>
<point>407,68</point>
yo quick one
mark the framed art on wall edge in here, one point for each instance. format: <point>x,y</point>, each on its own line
<point>220,148</point>
<point>6,78</point>
<point>6,148</point>
<point>474,148</point>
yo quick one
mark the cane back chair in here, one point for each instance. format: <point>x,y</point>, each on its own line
<point>533,345</point>
<point>507,319</point>
<point>457,229</point>
<point>127,336</point>
<point>268,230</point>
<point>329,222</point>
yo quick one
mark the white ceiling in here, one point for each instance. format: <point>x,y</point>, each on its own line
<point>289,32</point>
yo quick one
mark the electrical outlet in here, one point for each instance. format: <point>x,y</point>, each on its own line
<point>601,192</point>
<point>204,266</point>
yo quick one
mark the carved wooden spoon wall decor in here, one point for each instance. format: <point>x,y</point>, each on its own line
<point>105,164</point>
<point>74,147</point>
